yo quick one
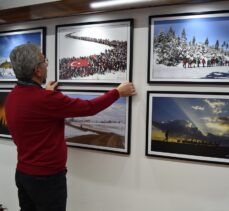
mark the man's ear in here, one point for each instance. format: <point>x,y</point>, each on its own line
<point>37,72</point>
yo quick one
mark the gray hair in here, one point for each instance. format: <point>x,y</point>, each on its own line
<point>24,59</point>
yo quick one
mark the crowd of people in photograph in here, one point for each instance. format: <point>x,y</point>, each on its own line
<point>192,62</point>
<point>112,60</point>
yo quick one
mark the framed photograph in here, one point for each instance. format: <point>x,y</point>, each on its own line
<point>189,48</point>
<point>109,130</point>
<point>94,52</point>
<point>11,39</point>
<point>188,125</point>
<point>4,132</point>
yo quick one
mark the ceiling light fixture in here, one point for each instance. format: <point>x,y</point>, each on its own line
<point>116,3</point>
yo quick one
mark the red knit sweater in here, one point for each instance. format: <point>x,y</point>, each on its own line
<point>35,119</point>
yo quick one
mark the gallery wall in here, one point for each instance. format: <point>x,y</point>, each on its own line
<point>99,181</point>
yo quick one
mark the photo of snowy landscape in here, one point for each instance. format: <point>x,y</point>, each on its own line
<point>107,130</point>
<point>8,41</point>
<point>189,49</point>
<point>187,125</point>
<point>95,52</point>
<point>4,132</point>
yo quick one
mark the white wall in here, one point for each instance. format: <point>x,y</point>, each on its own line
<point>99,181</point>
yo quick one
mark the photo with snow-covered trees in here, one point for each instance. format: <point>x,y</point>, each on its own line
<point>192,48</point>
<point>9,40</point>
<point>188,125</point>
<point>109,130</point>
<point>94,52</point>
<point>4,131</point>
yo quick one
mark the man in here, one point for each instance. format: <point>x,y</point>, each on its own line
<point>35,118</point>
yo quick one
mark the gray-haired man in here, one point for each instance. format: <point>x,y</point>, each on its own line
<point>35,118</point>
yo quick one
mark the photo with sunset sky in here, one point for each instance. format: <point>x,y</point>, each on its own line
<point>190,124</point>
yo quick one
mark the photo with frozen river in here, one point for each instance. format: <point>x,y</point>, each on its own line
<point>108,130</point>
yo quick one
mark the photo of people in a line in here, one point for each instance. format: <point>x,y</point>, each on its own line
<point>94,53</point>
<point>107,130</point>
<point>187,48</point>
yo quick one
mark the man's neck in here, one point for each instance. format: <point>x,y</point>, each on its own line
<point>28,82</point>
<point>36,80</point>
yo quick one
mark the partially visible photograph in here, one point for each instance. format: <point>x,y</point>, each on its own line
<point>108,130</point>
<point>9,40</point>
<point>191,126</point>
<point>4,132</point>
<point>189,48</point>
<point>96,52</point>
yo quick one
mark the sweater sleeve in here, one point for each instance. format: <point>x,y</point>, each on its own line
<point>62,106</point>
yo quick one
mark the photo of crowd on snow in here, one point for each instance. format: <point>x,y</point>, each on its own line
<point>192,48</point>
<point>94,52</point>
<point>108,130</point>
<point>9,40</point>
<point>188,125</point>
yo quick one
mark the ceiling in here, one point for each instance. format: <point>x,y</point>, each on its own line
<point>12,12</point>
<point>4,4</point>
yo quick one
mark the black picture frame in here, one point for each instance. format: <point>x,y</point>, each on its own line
<point>109,130</point>
<point>188,125</point>
<point>189,48</point>
<point>4,131</point>
<point>94,52</point>
<point>10,39</point>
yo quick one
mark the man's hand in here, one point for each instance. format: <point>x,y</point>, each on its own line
<point>126,89</point>
<point>52,85</point>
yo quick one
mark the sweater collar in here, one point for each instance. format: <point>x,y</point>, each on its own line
<point>28,82</point>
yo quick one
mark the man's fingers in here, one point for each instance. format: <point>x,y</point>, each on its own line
<point>52,85</point>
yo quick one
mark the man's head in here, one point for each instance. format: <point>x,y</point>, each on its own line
<point>29,63</point>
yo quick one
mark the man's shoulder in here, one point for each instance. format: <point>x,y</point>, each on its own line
<point>49,95</point>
